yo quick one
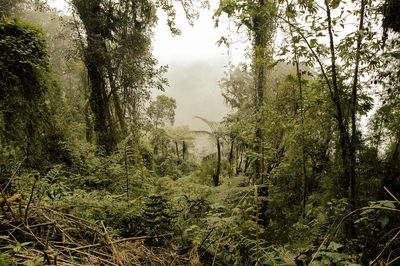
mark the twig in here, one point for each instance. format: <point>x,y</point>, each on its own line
<point>88,254</point>
<point>216,251</point>
<point>59,227</point>
<point>74,219</point>
<point>24,256</point>
<point>343,219</point>
<point>388,233</point>
<point>113,250</point>
<point>387,244</point>
<point>7,203</point>
<point>43,224</point>
<point>387,190</point>
<point>209,233</point>
<point>141,237</point>
<point>46,257</point>
<point>36,175</point>
<point>257,240</point>
<point>390,262</point>
<point>13,174</point>
<point>123,240</point>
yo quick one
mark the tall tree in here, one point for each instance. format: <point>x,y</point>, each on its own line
<point>26,87</point>
<point>258,16</point>
<point>350,57</point>
<point>116,52</point>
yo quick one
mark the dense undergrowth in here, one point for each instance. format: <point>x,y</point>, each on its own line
<point>203,224</point>
<point>93,173</point>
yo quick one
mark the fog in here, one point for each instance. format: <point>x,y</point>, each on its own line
<point>194,85</point>
<point>196,64</point>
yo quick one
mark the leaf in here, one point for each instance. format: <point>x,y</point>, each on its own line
<point>367,211</point>
<point>335,3</point>
<point>313,42</point>
<point>17,247</point>
<point>25,244</point>
<point>383,220</point>
<point>335,246</point>
<point>388,204</point>
<point>174,247</point>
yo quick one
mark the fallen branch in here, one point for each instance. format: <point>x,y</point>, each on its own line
<point>88,254</point>
<point>124,240</point>
<point>113,250</point>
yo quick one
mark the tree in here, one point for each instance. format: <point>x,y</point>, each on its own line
<point>161,111</point>
<point>116,52</point>
<point>237,88</point>
<point>26,85</point>
<point>258,17</point>
<point>181,135</point>
<point>7,7</point>
<point>391,19</point>
<point>351,57</point>
<point>67,67</point>
<point>216,132</point>
<point>238,92</point>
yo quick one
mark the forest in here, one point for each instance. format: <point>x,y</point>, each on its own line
<point>303,170</point>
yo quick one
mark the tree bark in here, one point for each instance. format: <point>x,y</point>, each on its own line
<point>184,150</point>
<point>336,98</point>
<point>231,157</point>
<point>217,173</point>
<point>260,43</point>
<point>95,61</point>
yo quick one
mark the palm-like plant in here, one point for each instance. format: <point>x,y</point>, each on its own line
<point>180,135</point>
<point>217,133</point>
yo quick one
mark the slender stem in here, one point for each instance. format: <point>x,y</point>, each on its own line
<point>30,198</point>
<point>354,108</point>
<point>299,77</point>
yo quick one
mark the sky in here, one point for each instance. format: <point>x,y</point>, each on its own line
<point>196,64</point>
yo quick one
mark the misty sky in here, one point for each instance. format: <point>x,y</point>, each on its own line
<point>196,64</point>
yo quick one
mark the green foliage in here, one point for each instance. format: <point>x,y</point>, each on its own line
<point>29,93</point>
<point>161,111</point>
<point>157,215</point>
<point>332,255</point>
<point>281,157</point>
<point>8,7</point>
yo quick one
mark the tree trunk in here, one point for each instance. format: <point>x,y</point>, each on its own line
<point>238,160</point>
<point>263,28</point>
<point>217,173</point>
<point>391,172</point>
<point>177,150</point>
<point>353,141</point>
<point>98,97</point>
<point>184,150</point>
<point>89,125</point>
<point>303,155</point>
<point>336,98</point>
<point>95,61</point>
<point>260,47</point>
<point>231,157</point>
